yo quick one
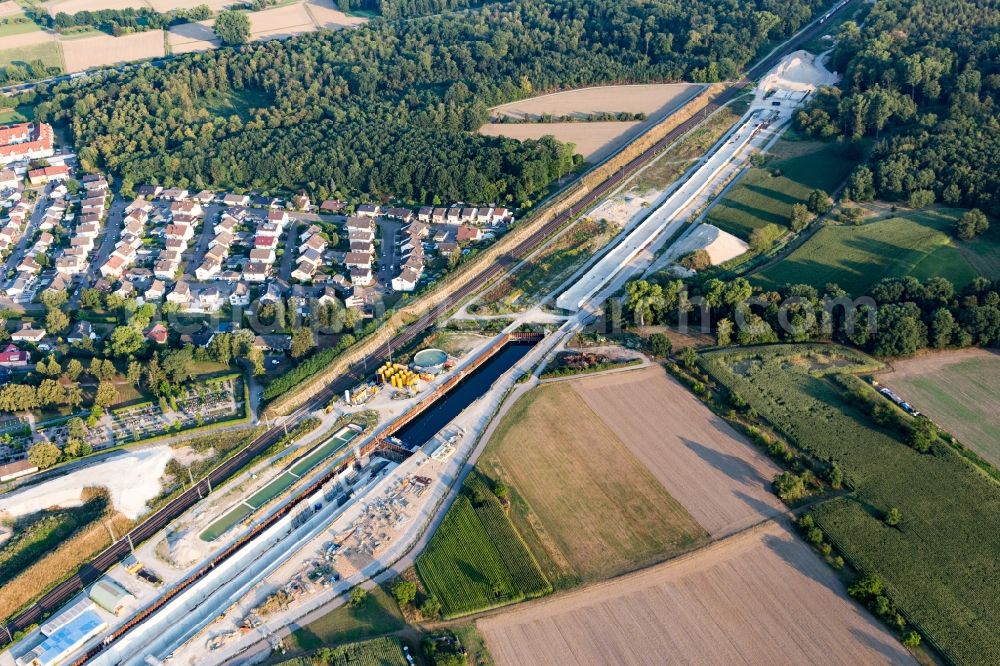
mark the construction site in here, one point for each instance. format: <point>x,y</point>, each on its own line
<point>298,537</point>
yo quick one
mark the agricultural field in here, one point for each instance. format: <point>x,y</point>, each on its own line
<point>588,508</point>
<point>594,140</point>
<point>960,391</point>
<point>327,14</point>
<point>377,614</point>
<point>939,563</point>
<point>544,271</point>
<point>761,597</point>
<point>190,37</point>
<point>766,195</point>
<point>280,22</point>
<point>476,560</point>
<point>917,243</point>
<point>30,46</point>
<point>100,50</point>
<point>376,652</point>
<point>654,98</point>
<point>721,479</point>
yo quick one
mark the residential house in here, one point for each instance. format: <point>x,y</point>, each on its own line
<point>403,214</point>
<point>301,202</point>
<point>279,217</point>
<point>82,330</point>
<point>157,334</point>
<point>149,191</point>
<point>469,234</point>
<point>406,280</point>
<point>358,260</point>
<point>304,271</point>
<point>263,255</point>
<point>9,180</point>
<point>48,174</point>
<point>181,295</point>
<point>156,291</point>
<point>13,356</point>
<point>173,194</point>
<point>361,276</point>
<point>240,295</point>
<point>28,333</point>
<point>209,269</point>
<point>256,271</point>
<point>236,200</point>
<point>367,210</point>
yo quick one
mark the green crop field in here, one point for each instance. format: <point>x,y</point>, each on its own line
<point>761,197</point>
<point>50,53</point>
<point>856,257</point>
<point>376,615</point>
<point>939,564</point>
<point>476,559</point>
<point>376,652</point>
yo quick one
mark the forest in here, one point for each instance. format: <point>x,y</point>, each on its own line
<point>922,79</point>
<point>389,109</point>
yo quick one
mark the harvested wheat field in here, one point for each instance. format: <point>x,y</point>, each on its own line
<point>592,507</point>
<point>326,14</point>
<point>761,597</point>
<point>23,39</point>
<point>101,50</point>
<point>598,139</point>
<point>722,480</point>
<point>958,390</point>
<point>280,22</point>
<point>648,99</point>
<point>10,8</point>
<point>189,37</point>
<point>593,140</point>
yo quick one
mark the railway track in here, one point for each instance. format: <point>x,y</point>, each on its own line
<point>91,571</point>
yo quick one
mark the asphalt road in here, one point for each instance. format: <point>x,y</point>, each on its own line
<point>91,571</point>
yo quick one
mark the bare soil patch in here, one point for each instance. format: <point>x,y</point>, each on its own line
<point>761,597</point>
<point>958,390</point>
<point>716,475</point>
<point>592,505</point>
<point>101,50</point>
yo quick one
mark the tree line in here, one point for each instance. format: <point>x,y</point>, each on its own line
<point>390,109</point>
<point>903,316</point>
<point>922,80</point>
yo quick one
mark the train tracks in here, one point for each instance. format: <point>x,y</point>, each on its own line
<point>91,571</point>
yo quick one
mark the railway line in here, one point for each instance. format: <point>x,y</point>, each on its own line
<point>91,571</point>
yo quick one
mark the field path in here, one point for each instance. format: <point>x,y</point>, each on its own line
<point>759,597</point>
